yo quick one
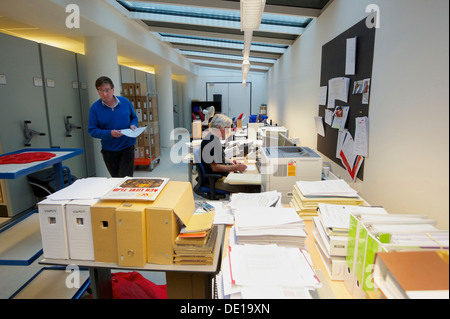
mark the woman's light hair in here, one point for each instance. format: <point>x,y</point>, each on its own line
<point>221,120</point>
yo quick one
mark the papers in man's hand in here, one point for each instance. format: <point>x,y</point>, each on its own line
<point>130,133</point>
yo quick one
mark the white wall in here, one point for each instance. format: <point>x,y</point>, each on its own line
<point>259,84</point>
<point>407,170</point>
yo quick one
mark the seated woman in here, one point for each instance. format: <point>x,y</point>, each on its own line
<point>213,157</point>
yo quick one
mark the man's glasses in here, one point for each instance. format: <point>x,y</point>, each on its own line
<point>104,90</point>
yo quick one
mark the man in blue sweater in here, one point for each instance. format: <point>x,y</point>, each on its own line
<point>107,117</point>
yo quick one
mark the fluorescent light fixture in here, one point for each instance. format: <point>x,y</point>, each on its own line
<point>247,44</point>
<point>245,69</point>
<point>251,14</point>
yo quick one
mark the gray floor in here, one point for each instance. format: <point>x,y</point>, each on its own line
<point>13,277</point>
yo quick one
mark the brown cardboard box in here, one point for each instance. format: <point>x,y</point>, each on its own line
<point>131,234</point>
<point>141,152</point>
<point>137,89</point>
<point>103,219</point>
<point>146,140</point>
<point>165,216</point>
<point>145,115</point>
<point>146,152</point>
<point>126,89</point>
<point>141,102</point>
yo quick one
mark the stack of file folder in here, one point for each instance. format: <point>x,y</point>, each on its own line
<point>308,194</point>
<point>412,274</point>
<point>370,234</point>
<point>195,248</point>
<point>330,230</point>
<point>269,225</point>
<point>195,243</point>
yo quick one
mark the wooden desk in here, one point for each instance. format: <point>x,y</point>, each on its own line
<point>183,281</point>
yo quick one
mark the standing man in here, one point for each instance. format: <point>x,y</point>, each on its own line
<point>107,117</point>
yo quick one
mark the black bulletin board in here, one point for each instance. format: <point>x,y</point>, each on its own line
<point>333,66</point>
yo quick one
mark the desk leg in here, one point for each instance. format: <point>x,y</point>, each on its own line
<point>188,285</point>
<point>59,175</point>
<point>190,167</point>
<point>101,283</point>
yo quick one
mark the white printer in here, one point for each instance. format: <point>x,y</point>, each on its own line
<point>281,167</point>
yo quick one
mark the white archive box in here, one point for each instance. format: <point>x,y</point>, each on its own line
<point>79,229</point>
<point>52,219</point>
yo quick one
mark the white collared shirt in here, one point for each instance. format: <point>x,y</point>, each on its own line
<point>117,103</point>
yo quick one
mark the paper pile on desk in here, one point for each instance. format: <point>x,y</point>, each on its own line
<point>195,243</point>
<point>330,230</point>
<point>265,199</point>
<point>195,248</point>
<point>267,271</point>
<point>308,194</point>
<point>269,225</point>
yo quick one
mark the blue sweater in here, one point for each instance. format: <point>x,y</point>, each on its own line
<point>103,119</point>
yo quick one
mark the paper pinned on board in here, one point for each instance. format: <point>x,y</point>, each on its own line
<point>361,142</point>
<point>323,95</point>
<point>319,126</point>
<point>338,89</point>
<point>350,58</point>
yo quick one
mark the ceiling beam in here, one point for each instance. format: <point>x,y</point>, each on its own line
<point>256,54</point>
<point>235,5</point>
<point>229,67</point>
<point>189,56</point>
<point>219,35</point>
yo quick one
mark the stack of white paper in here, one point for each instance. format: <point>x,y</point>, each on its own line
<point>269,225</point>
<point>85,188</point>
<point>267,271</point>
<point>265,199</point>
<point>332,188</point>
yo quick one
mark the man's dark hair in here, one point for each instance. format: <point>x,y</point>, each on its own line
<point>103,80</point>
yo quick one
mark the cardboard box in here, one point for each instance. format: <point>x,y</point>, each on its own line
<point>165,216</point>
<point>133,101</point>
<point>146,140</point>
<point>137,89</point>
<point>146,152</point>
<point>131,234</point>
<point>79,229</point>
<point>141,102</point>
<point>126,89</point>
<point>52,219</point>
<point>139,114</point>
<point>104,234</point>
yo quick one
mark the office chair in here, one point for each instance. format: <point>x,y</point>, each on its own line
<point>43,182</point>
<point>202,188</point>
